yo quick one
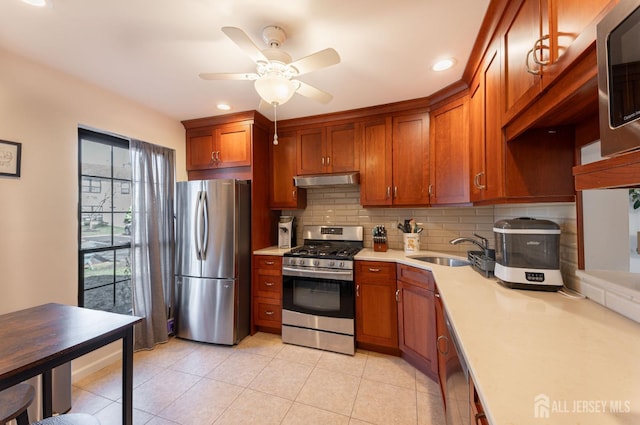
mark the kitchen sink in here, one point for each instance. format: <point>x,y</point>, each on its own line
<point>444,261</point>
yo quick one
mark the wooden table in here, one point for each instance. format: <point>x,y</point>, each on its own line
<point>36,340</point>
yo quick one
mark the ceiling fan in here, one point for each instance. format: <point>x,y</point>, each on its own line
<point>275,76</point>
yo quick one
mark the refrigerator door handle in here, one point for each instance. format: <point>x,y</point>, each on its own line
<point>205,217</point>
<point>198,231</point>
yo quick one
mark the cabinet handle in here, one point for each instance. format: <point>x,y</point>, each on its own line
<point>430,191</point>
<point>443,338</point>
<point>476,181</point>
<point>480,416</point>
<point>269,283</point>
<point>372,270</point>
<point>526,63</point>
<point>269,313</point>
<point>328,161</point>
<point>388,192</point>
<point>323,160</point>
<point>395,191</point>
<point>218,156</point>
<point>293,194</point>
<point>213,156</point>
<point>539,46</point>
<point>397,295</point>
<point>269,263</point>
<point>357,290</point>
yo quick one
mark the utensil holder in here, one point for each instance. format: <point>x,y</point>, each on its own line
<point>411,243</point>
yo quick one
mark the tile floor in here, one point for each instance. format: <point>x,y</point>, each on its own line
<point>263,381</point>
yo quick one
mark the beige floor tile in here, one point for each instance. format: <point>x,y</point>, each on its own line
<point>203,403</point>
<point>87,402</point>
<point>160,421</point>
<point>424,384</point>
<point>352,365</point>
<point>390,370</point>
<point>309,415</point>
<point>255,408</point>
<point>203,360</point>
<point>263,344</point>
<point>160,391</point>
<point>384,404</point>
<point>112,415</point>
<point>239,368</point>
<point>165,355</point>
<point>295,353</point>
<point>107,382</point>
<point>330,390</point>
<point>430,409</point>
<point>354,421</point>
<point>282,378</point>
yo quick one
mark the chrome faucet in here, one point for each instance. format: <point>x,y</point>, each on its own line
<point>482,243</point>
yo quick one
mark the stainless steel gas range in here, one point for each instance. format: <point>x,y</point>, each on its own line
<point>318,291</point>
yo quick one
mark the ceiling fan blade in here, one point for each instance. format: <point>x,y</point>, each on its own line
<point>245,43</point>
<point>313,93</point>
<point>321,59</point>
<point>214,76</point>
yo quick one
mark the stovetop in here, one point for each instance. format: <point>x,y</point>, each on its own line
<point>336,252</point>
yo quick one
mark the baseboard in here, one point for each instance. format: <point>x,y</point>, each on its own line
<point>96,360</point>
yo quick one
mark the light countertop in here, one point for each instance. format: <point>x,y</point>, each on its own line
<point>579,359</point>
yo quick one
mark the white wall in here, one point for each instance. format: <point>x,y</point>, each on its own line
<point>42,109</point>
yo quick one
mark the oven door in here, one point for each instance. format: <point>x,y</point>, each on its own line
<point>318,296</point>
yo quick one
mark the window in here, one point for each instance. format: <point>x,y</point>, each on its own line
<point>104,222</point>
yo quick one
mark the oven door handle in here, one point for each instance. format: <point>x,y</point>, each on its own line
<point>332,274</point>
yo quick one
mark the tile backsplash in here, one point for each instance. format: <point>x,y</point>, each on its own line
<point>341,206</point>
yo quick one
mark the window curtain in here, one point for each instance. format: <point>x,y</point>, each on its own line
<point>152,242</point>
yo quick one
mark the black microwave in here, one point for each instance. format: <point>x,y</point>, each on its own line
<point>618,50</point>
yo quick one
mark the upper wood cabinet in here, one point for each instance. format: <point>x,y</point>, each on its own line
<point>394,164</point>
<point>486,143</point>
<point>449,153</point>
<point>541,39</point>
<point>330,149</point>
<point>222,146</point>
<point>283,193</point>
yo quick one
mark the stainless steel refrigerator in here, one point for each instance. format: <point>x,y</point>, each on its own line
<point>213,260</point>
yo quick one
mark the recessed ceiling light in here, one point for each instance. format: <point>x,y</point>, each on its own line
<point>443,64</point>
<point>223,106</point>
<point>37,3</point>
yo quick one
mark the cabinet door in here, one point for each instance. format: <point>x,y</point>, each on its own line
<point>310,151</point>
<point>342,150</point>
<point>233,144</point>
<point>376,308</point>
<point>443,347</point>
<point>376,162</point>
<point>416,323</point>
<point>492,182</point>
<point>477,170</point>
<point>449,154</point>
<point>283,168</point>
<point>200,148</point>
<point>411,160</point>
<point>522,30</point>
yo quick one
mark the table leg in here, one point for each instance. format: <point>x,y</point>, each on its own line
<point>127,378</point>
<point>47,396</point>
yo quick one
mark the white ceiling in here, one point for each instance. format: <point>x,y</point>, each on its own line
<point>153,50</point>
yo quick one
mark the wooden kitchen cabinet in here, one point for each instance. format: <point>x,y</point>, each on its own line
<point>330,149</point>
<point>395,161</point>
<point>541,39</point>
<point>442,341</point>
<point>449,153</point>
<point>486,141</point>
<point>267,294</point>
<point>223,146</point>
<point>376,308</point>
<point>476,410</point>
<point>284,194</point>
<point>417,318</point>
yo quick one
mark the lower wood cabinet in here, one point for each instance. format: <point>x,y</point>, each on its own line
<point>267,294</point>
<point>416,318</point>
<point>478,416</point>
<point>376,308</point>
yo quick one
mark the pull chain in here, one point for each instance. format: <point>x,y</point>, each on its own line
<point>275,123</point>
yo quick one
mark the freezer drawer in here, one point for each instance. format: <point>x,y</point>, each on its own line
<point>206,310</point>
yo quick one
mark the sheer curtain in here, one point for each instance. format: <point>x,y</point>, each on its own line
<point>152,244</point>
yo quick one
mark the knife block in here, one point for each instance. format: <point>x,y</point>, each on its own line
<point>380,246</point>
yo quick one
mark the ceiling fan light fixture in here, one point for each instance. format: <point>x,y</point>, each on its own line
<point>275,89</point>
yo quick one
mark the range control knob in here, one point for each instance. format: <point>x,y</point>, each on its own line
<point>301,262</point>
<point>342,264</point>
<point>332,263</point>
<point>316,262</point>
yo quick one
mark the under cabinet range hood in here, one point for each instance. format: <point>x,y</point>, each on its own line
<point>327,180</point>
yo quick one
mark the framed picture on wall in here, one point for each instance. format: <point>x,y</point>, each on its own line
<point>10,158</point>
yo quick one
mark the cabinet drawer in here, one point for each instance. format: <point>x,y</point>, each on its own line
<point>375,272</point>
<point>268,284</point>
<point>268,262</point>
<point>416,276</point>
<point>267,312</point>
